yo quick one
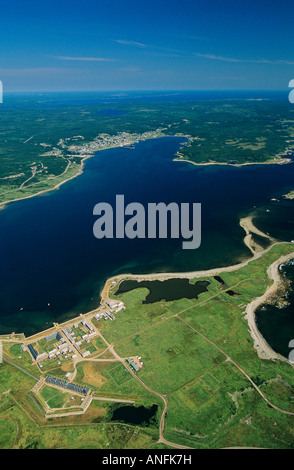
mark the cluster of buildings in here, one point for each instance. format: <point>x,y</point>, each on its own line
<point>61,348</point>
<point>109,314</point>
<point>65,346</point>
<point>105,315</point>
<point>104,141</point>
<point>115,305</point>
<point>70,335</point>
<point>73,340</point>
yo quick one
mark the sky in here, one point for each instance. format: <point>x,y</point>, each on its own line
<point>107,45</point>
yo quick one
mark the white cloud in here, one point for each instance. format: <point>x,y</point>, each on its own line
<point>130,43</point>
<point>253,61</point>
<point>85,59</point>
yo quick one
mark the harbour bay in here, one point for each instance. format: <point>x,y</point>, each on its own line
<point>52,267</point>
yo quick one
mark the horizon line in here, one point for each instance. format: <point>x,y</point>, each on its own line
<point>153,90</point>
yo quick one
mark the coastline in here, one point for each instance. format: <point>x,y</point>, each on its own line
<point>57,186</point>
<point>247,224</point>
<point>289,195</point>
<point>263,349</point>
<point>244,222</point>
<point>78,173</point>
<point>274,161</point>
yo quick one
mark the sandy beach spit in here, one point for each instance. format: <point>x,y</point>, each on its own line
<point>246,223</point>
<point>274,161</point>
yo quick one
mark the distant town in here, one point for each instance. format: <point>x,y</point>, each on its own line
<point>101,142</point>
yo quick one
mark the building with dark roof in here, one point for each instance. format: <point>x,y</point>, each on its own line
<point>67,385</point>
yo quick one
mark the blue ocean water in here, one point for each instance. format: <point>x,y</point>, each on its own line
<point>49,254</point>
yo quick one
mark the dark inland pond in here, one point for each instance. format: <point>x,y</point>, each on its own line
<point>52,266</point>
<point>137,415</point>
<point>170,289</point>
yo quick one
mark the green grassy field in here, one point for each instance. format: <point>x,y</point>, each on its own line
<point>195,352</point>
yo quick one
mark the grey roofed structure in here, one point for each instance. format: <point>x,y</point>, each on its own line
<point>84,322</point>
<point>55,335</point>
<point>32,351</point>
<point>67,385</point>
<point>35,355</point>
<point>110,315</point>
